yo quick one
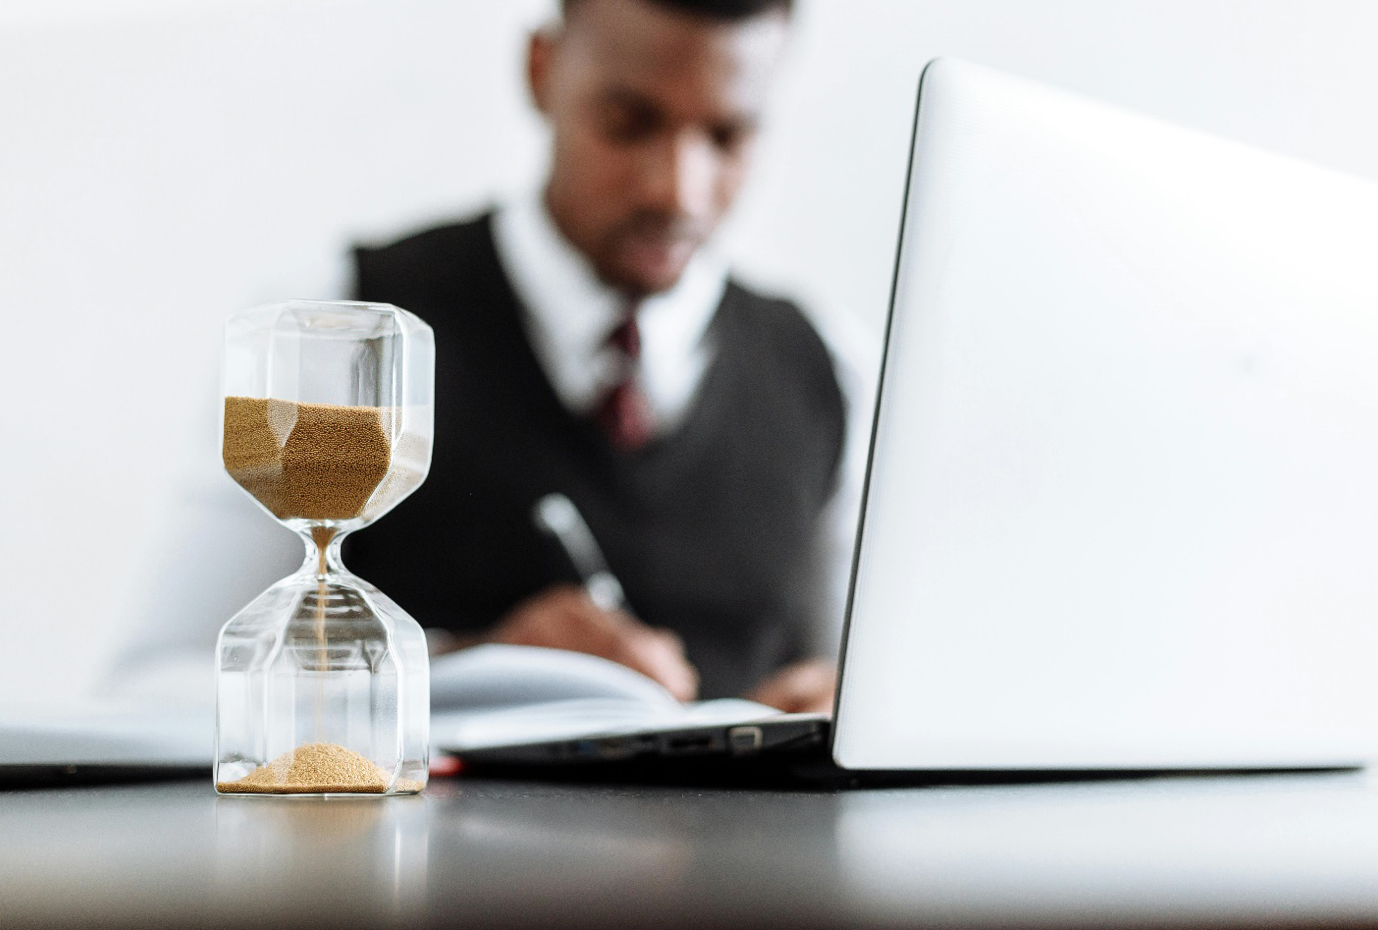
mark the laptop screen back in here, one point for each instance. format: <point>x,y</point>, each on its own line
<point>1122,508</point>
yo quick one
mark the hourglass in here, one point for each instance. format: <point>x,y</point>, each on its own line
<point>322,680</point>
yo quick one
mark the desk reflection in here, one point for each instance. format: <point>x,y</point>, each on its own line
<point>606,856</point>
<point>1249,851</point>
<point>364,856</point>
<point>472,853</point>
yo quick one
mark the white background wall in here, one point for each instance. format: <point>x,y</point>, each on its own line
<point>163,163</point>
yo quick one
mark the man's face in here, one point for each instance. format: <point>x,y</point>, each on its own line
<point>655,115</point>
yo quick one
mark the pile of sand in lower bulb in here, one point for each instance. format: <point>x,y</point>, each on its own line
<point>315,768</point>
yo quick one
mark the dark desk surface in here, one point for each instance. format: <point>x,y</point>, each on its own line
<point>1230,850</point>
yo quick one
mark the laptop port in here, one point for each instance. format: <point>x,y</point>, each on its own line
<point>688,744</point>
<point>616,748</point>
<point>744,740</point>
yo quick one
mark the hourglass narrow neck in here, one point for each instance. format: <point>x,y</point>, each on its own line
<point>322,550</point>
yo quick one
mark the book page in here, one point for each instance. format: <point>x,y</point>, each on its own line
<point>497,675</point>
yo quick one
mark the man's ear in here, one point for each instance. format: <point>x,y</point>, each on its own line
<point>540,62</point>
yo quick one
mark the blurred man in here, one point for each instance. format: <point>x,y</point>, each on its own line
<point>589,342</point>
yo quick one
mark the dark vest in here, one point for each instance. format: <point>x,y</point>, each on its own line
<point>710,528</point>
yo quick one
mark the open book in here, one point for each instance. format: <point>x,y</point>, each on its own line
<point>506,695</point>
<point>485,696</point>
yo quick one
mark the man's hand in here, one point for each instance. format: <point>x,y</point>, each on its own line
<point>563,617</point>
<point>805,687</point>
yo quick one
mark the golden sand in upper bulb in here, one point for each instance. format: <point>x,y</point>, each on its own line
<point>306,461</point>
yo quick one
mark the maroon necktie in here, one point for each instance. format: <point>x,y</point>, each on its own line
<point>624,414</point>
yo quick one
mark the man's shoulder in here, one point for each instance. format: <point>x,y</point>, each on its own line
<point>796,334</point>
<point>779,319</point>
<point>442,238</point>
<point>779,337</point>
<point>424,260</point>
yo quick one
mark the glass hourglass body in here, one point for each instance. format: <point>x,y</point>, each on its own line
<point>322,680</point>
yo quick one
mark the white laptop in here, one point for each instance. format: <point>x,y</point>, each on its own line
<point>1122,503</point>
<point>1122,508</point>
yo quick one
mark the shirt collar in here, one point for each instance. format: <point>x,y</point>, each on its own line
<point>569,312</point>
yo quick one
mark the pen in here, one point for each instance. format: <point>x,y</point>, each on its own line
<point>556,514</point>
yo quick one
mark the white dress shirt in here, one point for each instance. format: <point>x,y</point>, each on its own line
<point>569,313</point>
